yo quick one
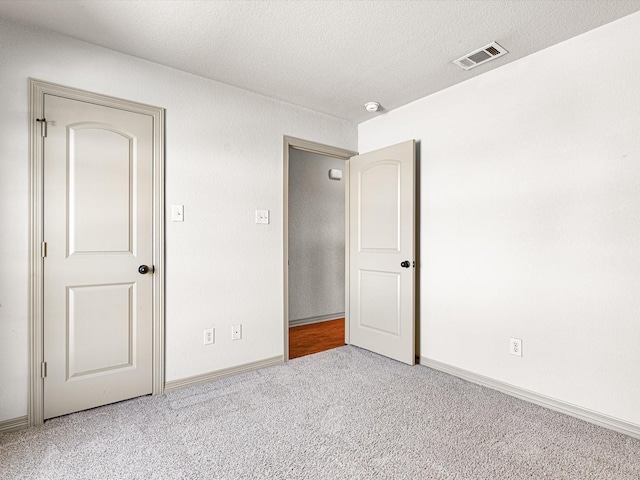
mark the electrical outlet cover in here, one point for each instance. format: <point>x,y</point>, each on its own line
<point>515,346</point>
<point>209,336</point>
<point>262,216</point>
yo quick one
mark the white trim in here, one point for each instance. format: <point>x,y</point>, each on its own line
<point>37,90</point>
<point>196,380</point>
<point>35,412</point>
<point>14,424</point>
<point>329,151</point>
<point>321,318</point>
<point>570,409</point>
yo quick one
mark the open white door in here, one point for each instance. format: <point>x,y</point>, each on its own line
<point>382,251</point>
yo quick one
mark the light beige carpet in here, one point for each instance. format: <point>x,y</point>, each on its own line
<point>341,414</point>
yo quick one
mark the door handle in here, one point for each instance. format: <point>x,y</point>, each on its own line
<point>144,269</point>
<point>405,264</point>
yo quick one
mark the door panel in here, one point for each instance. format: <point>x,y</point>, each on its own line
<point>382,223</point>
<point>379,210</point>
<point>98,197</point>
<point>101,322</point>
<point>97,178</point>
<point>378,293</point>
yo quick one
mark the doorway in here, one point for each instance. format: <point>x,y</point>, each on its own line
<point>380,247</point>
<point>315,246</point>
<point>97,207</point>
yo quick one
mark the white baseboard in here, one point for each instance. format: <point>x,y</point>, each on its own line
<point>318,319</point>
<point>217,375</point>
<point>587,415</point>
<point>14,424</point>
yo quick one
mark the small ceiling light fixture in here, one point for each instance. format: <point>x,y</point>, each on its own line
<point>372,106</point>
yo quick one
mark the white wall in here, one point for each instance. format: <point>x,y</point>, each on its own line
<point>316,236</point>
<point>224,151</point>
<point>530,219</point>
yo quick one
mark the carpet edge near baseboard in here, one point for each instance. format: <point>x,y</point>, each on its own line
<point>195,380</point>
<point>602,420</point>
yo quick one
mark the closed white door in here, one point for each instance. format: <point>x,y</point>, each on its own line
<point>98,197</point>
<point>382,251</point>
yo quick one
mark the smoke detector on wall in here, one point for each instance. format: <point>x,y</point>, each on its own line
<point>480,56</point>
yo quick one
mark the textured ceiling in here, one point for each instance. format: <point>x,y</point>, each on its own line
<point>329,56</point>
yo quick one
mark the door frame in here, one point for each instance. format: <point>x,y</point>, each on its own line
<point>37,90</point>
<point>327,151</point>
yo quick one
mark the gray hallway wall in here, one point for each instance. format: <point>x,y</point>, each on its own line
<point>316,237</point>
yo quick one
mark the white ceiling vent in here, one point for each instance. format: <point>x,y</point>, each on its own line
<point>480,56</point>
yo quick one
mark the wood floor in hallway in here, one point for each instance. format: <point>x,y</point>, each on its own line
<point>316,337</point>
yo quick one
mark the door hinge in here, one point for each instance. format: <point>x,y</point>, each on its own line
<point>44,249</point>
<point>43,126</point>
<point>43,368</point>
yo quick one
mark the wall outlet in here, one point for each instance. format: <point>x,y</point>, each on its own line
<point>208,336</point>
<point>515,346</point>
<point>262,216</point>
<point>236,332</point>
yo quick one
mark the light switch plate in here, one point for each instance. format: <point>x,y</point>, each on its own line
<point>236,332</point>
<point>177,213</point>
<point>262,216</point>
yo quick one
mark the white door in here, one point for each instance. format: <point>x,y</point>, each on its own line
<point>98,219</point>
<point>382,251</point>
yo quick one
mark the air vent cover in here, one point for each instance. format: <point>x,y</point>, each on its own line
<point>480,56</point>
